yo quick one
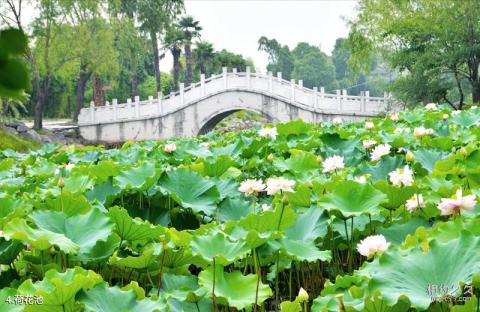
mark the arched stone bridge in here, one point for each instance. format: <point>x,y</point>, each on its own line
<point>198,108</point>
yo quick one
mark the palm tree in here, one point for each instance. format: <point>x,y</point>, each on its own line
<point>174,39</point>
<point>191,30</point>
<point>204,55</point>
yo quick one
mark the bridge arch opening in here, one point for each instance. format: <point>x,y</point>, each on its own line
<point>214,121</point>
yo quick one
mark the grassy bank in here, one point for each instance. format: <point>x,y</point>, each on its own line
<point>15,142</point>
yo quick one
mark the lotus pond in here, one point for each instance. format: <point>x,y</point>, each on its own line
<point>379,215</point>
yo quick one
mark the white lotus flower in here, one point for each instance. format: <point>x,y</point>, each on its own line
<point>268,132</point>
<point>277,185</point>
<point>69,166</point>
<point>337,120</point>
<point>422,131</point>
<point>361,179</point>
<point>302,295</point>
<point>332,163</point>
<point>457,203</point>
<point>251,186</point>
<point>415,202</point>
<point>456,112</point>
<point>401,176</point>
<point>431,106</point>
<point>170,147</point>
<point>380,150</point>
<point>395,117</point>
<point>204,144</point>
<point>369,125</point>
<point>369,143</point>
<point>372,245</point>
<point>446,116</point>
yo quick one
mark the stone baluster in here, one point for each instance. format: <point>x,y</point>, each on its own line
<point>300,83</point>
<point>92,112</point>
<point>279,76</point>
<point>366,101</point>
<point>137,106</point>
<point>182,93</point>
<point>292,90</point>
<point>202,84</point>
<point>224,75</point>
<point>115,109</point>
<point>159,103</point>
<point>315,98</point>
<point>249,77</point>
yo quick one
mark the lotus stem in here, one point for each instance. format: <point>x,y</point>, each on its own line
<point>276,282</point>
<point>257,271</point>
<point>350,262</point>
<point>214,300</point>
<point>161,269</point>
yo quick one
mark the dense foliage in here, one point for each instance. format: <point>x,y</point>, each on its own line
<point>369,216</point>
<point>433,44</point>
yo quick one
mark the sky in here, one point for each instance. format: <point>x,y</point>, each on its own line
<point>236,25</point>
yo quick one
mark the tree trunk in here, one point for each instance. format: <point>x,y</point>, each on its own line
<point>98,97</point>
<point>476,93</point>
<point>176,67</point>
<point>156,60</point>
<point>80,92</point>
<point>189,61</point>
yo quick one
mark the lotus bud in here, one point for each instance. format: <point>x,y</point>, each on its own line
<point>319,159</point>
<point>463,151</point>
<point>302,295</point>
<point>285,198</point>
<point>61,182</point>
<point>270,157</point>
<point>409,156</point>
<point>29,247</point>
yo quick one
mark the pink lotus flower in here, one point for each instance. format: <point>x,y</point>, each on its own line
<point>170,147</point>
<point>415,202</point>
<point>372,245</point>
<point>457,203</point>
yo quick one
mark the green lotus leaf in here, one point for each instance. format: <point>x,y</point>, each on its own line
<point>396,273</point>
<point>10,208</point>
<point>7,299</point>
<point>84,230</point>
<point>428,157</point>
<point>465,119</point>
<point>132,229</point>
<point>295,127</point>
<point>100,251</point>
<point>300,162</point>
<point>252,238</point>
<point>70,203</point>
<point>103,170</point>
<point>78,183</point>
<point>234,209</point>
<point>397,196</point>
<point>397,233</point>
<point>183,288</point>
<point>352,199</point>
<point>234,289</point>
<point>59,289</point>
<point>39,238</point>
<point>301,250</point>
<point>137,178</point>
<point>470,305</point>
<point>113,299</point>
<point>310,225</point>
<point>104,193</point>
<point>145,259</point>
<point>219,247</point>
<point>226,187</point>
<point>9,250</point>
<point>383,167</point>
<point>301,197</point>
<point>279,219</point>
<point>191,190</point>
<point>290,306</point>
<point>216,166</point>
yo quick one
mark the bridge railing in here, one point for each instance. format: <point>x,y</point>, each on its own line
<point>315,99</point>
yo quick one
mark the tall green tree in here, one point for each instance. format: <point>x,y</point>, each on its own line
<point>437,40</point>
<point>174,40</point>
<point>191,30</point>
<point>155,16</point>
<point>204,55</point>
<point>313,66</point>
<point>280,58</point>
